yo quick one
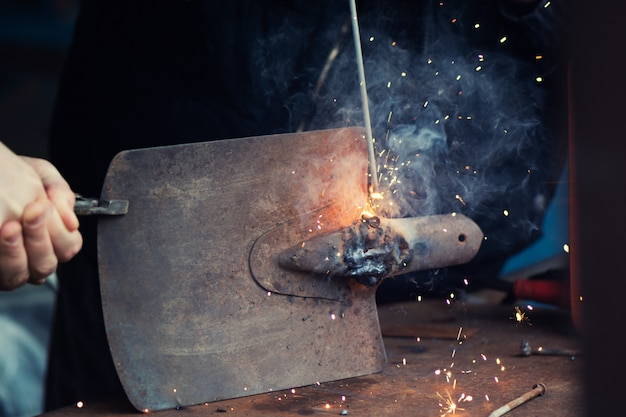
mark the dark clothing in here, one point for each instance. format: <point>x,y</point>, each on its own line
<point>143,74</point>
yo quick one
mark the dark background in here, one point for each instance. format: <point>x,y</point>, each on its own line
<point>34,37</point>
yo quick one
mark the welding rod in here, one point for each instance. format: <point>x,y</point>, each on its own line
<point>366,109</point>
<point>538,389</point>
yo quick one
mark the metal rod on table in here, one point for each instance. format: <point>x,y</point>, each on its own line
<point>363,87</point>
<point>538,389</point>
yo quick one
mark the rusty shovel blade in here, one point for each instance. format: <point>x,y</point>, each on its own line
<point>186,320</point>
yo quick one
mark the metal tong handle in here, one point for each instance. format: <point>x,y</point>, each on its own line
<point>95,207</point>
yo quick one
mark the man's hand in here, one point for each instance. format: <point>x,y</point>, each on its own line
<point>38,227</point>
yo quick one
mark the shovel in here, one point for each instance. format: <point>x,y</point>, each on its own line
<point>226,274</point>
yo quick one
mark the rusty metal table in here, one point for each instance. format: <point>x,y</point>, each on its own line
<point>440,356</point>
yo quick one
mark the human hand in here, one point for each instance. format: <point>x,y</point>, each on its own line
<point>38,227</point>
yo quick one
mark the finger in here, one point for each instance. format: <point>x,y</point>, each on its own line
<point>66,243</point>
<point>13,260</point>
<point>64,205</point>
<point>42,260</point>
<point>57,189</point>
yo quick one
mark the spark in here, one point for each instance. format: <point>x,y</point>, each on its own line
<point>458,197</point>
<point>503,39</point>
<point>447,405</point>
<point>520,316</point>
<point>539,79</point>
<point>566,248</point>
<point>80,404</point>
<point>332,316</point>
<point>476,25</point>
<point>371,39</point>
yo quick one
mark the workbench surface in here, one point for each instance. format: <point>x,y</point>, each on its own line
<point>440,354</point>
